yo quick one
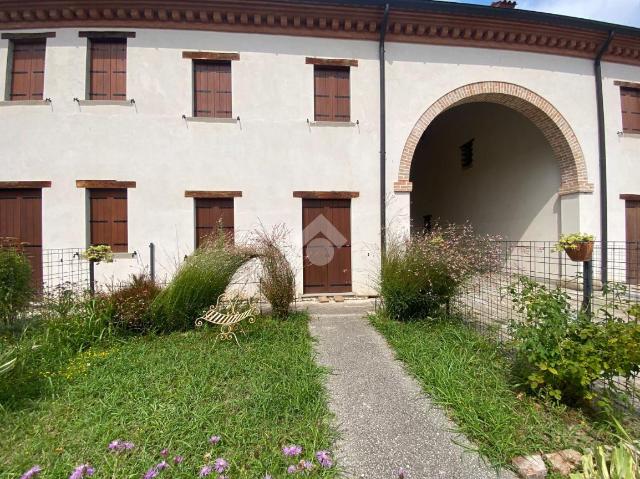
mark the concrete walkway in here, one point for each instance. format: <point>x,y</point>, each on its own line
<point>385,420</point>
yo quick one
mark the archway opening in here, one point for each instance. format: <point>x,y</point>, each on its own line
<point>489,165</point>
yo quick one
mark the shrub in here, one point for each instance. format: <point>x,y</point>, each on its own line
<point>561,353</point>
<point>197,284</point>
<point>420,275</point>
<point>15,284</point>
<point>131,303</point>
<point>277,280</point>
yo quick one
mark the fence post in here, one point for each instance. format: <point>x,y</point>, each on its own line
<point>152,261</point>
<point>587,287</point>
<point>92,277</point>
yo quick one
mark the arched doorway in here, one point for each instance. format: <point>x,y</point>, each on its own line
<point>495,154</point>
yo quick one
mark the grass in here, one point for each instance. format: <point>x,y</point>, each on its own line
<point>467,374</point>
<point>175,391</point>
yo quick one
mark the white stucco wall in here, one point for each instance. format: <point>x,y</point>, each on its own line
<point>272,151</point>
<point>510,189</point>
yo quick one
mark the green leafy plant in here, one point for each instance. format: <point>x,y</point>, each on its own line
<point>562,353</point>
<point>16,290</point>
<point>620,462</point>
<point>572,240</point>
<point>420,275</point>
<point>131,303</point>
<point>98,254</point>
<point>198,283</point>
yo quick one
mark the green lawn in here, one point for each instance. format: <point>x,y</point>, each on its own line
<point>174,392</point>
<point>467,374</point>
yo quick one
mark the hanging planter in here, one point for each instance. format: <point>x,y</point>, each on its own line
<point>578,246</point>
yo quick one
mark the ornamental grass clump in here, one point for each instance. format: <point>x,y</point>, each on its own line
<point>198,283</point>
<point>277,279</point>
<point>131,303</point>
<point>420,275</point>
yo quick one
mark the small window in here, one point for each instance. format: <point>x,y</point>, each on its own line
<point>213,216</point>
<point>332,93</point>
<point>108,69</point>
<point>27,70</point>
<point>212,88</point>
<point>108,218</point>
<point>630,99</point>
<point>466,155</point>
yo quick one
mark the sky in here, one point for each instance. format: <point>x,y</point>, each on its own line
<point>624,12</point>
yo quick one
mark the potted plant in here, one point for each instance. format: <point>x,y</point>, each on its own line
<point>578,246</point>
<point>98,253</point>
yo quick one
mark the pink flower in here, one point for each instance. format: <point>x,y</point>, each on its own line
<point>292,469</point>
<point>81,471</point>
<point>324,459</point>
<point>164,452</point>
<point>162,466</point>
<point>178,460</point>
<point>214,440</point>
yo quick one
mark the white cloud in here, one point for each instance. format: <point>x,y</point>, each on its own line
<point>624,12</point>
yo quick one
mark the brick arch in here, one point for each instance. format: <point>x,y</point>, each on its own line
<point>556,130</point>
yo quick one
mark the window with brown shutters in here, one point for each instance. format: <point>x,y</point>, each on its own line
<point>630,98</point>
<point>212,88</point>
<point>332,93</point>
<point>108,218</point>
<point>213,216</point>
<point>27,70</point>
<point>108,69</point>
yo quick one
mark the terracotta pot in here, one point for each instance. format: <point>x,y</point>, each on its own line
<point>582,251</point>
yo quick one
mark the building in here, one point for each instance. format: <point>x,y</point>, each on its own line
<point>151,121</point>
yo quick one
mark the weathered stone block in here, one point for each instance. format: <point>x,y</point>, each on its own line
<point>530,467</point>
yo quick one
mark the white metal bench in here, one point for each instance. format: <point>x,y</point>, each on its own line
<point>228,314</point>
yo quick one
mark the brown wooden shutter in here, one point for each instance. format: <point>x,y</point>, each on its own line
<point>108,69</point>
<point>332,93</point>
<point>108,218</point>
<point>630,99</point>
<point>27,71</point>
<point>212,89</point>
<point>213,215</point>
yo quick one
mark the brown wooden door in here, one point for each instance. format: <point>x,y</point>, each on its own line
<point>633,241</point>
<point>213,214</point>
<point>21,218</point>
<point>326,246</point>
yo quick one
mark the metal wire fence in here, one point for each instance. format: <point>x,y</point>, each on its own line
<point>486,300</point>
<point>487,304</point>
<point>65,268</point>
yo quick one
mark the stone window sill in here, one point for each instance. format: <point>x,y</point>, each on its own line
<point>25,103</point>
<point>124,255</point>
<point>210,119</point>
<point>106,102</point>
<point>624,134</point>
<point>343,124</point>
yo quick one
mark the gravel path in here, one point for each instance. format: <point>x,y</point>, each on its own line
<point>385,420</point>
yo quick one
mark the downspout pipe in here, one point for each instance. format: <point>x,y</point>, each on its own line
<point>602,163</point>
<point>383,135</point>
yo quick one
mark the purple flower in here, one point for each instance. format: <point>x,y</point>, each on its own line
<point>220,465</point>
<point>306,465</point>
<point>164,452</point>
<point>324,459</point>
<point>151,473</point>
<point>205,471</point>
<point>214,440</point>
<point>292,450</point>
<point>267,476</point>
<point>83,470</point>
<point>162,466</point>
<point>178,459</point>
<point>33,472</point>
<point>119,446</point>
<point>402,473</point>
<point>292,469</point>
